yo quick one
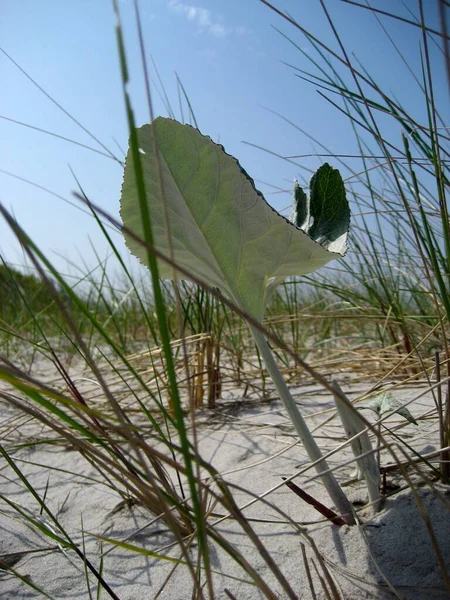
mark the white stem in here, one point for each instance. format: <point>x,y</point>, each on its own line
<point>334,489</point>
<point>361,446</point>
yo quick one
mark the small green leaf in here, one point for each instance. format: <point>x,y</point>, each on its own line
<point>386,403</point>
<point>330,213</point>
<point>300,208</point>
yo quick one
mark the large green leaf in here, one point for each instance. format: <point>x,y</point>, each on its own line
<point>222,230</point>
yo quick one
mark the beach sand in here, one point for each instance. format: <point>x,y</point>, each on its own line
<point>252,444</point>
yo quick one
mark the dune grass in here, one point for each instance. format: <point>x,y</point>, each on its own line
<point>120,374</point>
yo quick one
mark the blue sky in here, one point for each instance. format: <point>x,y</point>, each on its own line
<point>230,59</point>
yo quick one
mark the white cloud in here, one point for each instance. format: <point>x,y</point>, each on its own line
<point>203,18</point>
<point>218,30</point>
<point>242,30</point>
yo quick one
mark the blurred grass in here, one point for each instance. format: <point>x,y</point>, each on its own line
<point>367,313</point>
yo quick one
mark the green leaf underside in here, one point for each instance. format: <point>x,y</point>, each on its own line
<point>222,229</point>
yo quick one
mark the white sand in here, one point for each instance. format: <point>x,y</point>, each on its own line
<point>236,439</point>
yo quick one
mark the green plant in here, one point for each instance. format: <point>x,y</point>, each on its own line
<point>206,215</point>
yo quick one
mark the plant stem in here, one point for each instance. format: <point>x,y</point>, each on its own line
<point>369,464</point>
<point>328,479</point>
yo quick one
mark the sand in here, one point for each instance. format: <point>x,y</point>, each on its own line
<point>251,443</point>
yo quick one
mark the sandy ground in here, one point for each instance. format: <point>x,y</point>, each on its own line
<point>252,445</point>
